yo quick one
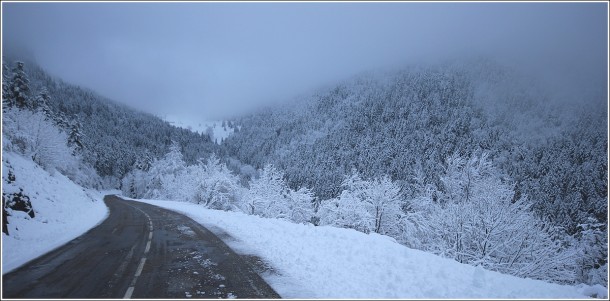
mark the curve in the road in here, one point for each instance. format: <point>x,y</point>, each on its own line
<point>139,251</point>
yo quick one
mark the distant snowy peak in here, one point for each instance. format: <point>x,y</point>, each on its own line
<point>217,130</point>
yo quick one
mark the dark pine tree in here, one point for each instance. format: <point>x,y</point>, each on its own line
<point>19,87</point>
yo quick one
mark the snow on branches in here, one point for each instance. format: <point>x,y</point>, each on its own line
<point>367,206</point>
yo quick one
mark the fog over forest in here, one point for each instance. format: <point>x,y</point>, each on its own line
<point>221,59</point>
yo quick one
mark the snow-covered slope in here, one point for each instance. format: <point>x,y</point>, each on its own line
<point>327,262</point>
<point>63,211</point>
<point>219,130</point>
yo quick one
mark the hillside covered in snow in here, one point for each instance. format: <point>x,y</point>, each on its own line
<point>58,210</point>
<point>306,262</point>
<point>417,157</point>
<point>454,141</point>
<point>218,131</point>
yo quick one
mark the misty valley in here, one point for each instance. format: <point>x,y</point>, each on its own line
<point>443,159</point>
<point>335,168</point>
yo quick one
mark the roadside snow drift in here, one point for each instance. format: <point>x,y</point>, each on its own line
<point>328,262</point>
<point>63,211</point>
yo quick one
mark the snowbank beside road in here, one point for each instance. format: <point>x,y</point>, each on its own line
<point>328,262</point>
<point>63,211</point>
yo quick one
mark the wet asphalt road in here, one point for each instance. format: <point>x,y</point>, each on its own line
<point>139,251</point>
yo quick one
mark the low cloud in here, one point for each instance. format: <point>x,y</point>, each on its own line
<point>219,59</point>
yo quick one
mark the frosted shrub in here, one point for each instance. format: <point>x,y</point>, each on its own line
<point>415,224</point>
<point>217,187</point>
<point>301,205</point>
<point>270,196</point>
<point>346,212</point>
<point>366,206</point>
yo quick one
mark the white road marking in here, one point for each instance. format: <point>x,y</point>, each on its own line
<point>132,286</point>
<point>128,293</point>
<point>147,247</point>
<point>140,267</point>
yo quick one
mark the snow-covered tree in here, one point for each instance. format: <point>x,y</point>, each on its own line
<point>349,210</point>
<point>129,185</point>
<point>75,136</point>
<point>136,182</point>
<point>163,172</point>
<point>417,208</point>
<point>33,135</point>
<point>345,212</point>
<point>6,96</point>
<point>367,206</point>
<point>300,205</point>
<point>268,195</point>
<point>217,187</point>
<point>19,87</point>
<point>385,201</point>
<point>480,223</point>
<point>211,184</point>
<point>592,260</point>
<point>41,102</point>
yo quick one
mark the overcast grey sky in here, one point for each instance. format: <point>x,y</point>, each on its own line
<point>214,59</point>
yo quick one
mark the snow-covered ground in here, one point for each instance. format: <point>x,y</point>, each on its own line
<point>308,261</point>
<point>63,211</point>
<point>219,132</point>
<point>327,262</point>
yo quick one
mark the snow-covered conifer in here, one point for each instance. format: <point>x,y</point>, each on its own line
<point>19,87</point>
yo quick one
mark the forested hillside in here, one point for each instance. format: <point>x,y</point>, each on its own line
<point>469,160</point>
<point>406,124</point>
<point>111,137</point>
<point>439,131</point>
